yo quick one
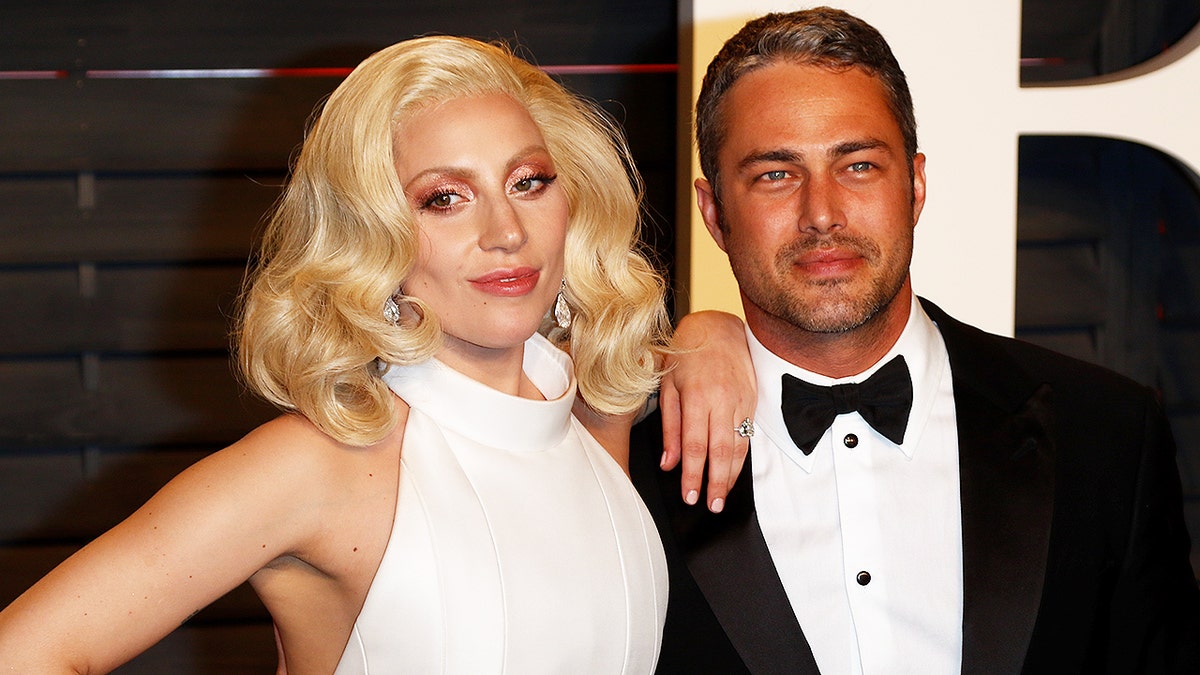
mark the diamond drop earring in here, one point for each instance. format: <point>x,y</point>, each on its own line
<point>391,310</point>
<point>562,311</point>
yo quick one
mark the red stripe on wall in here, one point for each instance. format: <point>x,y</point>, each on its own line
<point>238,73</point>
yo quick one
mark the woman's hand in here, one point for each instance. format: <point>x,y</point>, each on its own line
<point>707,393</point>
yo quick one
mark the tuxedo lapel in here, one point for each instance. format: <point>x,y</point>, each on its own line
<point>729,560</point>
<point>1006,469</point>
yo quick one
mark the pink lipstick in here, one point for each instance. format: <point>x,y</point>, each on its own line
<point>508,283</point>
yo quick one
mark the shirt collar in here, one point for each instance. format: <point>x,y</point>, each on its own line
<point>922,347</point>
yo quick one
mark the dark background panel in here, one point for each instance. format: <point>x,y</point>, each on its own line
<point>60,496</point>
<point>64,218</point>
<point>135,308</point>
<point>152,124</point>
<point>75,35</point>
<point>1064,40</point>
<point>1108,270</point>
<point>123,400</point>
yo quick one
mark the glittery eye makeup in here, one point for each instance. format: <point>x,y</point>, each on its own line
<point>532,181</point>
<point>444,189</point>
<point>440,199</point>
<point>441,194</point>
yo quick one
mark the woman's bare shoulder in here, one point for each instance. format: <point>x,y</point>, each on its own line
<point>291,449</point>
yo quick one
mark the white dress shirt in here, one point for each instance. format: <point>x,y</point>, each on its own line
<point>868,540</point>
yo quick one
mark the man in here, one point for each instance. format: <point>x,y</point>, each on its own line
<point>978,504</point>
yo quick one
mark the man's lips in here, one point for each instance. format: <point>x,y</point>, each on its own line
<point>508,283</point>
<point>828,261</point>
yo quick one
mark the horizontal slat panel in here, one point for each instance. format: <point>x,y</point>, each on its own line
<point>1060,285</point>
<point>132,217</point>
<point>161,125</point>
<point>34,488</point>
<point>227,124</point>
<point>168,401</point>
<point>123,309</point>
<point>43,403</point>
<point>75,495</point>
<point>71,34</point>
<point>130,402</point>
<point>35,302</point>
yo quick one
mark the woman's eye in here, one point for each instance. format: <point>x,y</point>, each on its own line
<point>442,200</point>
<point>532,183</point>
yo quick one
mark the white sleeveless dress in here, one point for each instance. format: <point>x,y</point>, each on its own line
<point>519,546</point>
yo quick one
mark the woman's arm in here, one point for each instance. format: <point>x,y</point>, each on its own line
<point>204,533</point>
<point>708,391</point>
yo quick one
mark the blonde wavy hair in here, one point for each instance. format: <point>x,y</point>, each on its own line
<point>312,335</point>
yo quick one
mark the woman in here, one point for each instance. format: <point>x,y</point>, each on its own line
<point>428,502</point>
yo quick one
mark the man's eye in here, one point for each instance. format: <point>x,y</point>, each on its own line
<point>775,175</point>
<point>859,167</point>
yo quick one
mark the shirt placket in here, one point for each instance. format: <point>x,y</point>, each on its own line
<point>855,448</point>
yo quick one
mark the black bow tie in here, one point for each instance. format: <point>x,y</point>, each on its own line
<point>883,400</point>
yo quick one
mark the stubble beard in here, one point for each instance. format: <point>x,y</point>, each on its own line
<point>827,306</point>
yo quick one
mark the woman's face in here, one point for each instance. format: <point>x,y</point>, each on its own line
<point>491,220</point>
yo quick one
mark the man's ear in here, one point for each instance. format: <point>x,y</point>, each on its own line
<point>709,210</point>
<point>918,186</point>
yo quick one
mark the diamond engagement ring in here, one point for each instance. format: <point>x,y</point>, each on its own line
<point>746,428</point>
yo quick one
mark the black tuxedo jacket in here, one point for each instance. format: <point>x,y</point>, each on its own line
<point>1075,553</point>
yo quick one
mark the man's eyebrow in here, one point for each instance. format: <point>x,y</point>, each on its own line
<point>791,156</point>
<point>779,155</point>
<point>850,147</point>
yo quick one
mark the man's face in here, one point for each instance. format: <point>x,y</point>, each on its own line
<point>817,208</point>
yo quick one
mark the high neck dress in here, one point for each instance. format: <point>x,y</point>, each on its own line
<point>519,546</point>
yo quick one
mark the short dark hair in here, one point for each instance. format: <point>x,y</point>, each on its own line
<point>822,36</point>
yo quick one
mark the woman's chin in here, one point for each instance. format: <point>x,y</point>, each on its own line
<point>494,336</point>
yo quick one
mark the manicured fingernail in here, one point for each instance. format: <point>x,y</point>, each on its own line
<point>717,505</point>
<point>692,497</point>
